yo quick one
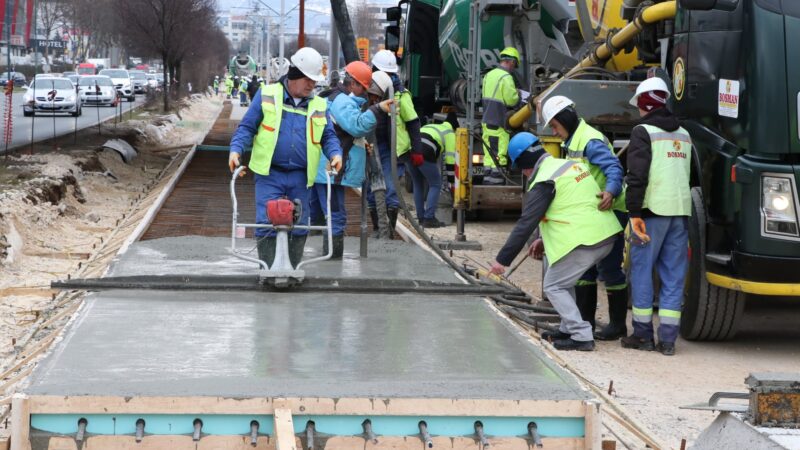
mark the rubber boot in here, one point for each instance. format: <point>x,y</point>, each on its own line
<point>296,246</point>
<point>338,246</point>
<point>617,314</point>
<point>586,300</point>
<point>392,213</point>
<point>266,249</point>
<point>373,214</point>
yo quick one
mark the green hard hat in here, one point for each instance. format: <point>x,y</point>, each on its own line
<point>510,52</point>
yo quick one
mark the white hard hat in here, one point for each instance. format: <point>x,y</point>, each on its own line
<point>309,61</point>
<point>649,85</point>
<point>385,60</point>
<point>380,84</point>
<point>555,105</point>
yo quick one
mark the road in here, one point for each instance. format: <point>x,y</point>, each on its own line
<point>47,126</point>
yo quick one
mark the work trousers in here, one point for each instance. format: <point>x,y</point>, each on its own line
<point>667,253</point>
<point>386,167</point>
<point>318,202</point>
<point>609,268</point>
<point>427,176</point>
<point>280,184</point>
<point>559,286</point>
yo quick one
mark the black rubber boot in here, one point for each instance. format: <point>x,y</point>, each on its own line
<point>338,247</point>
<point>373,215</point>
<point>617,314</point>
<point>586,300</point>
<point>392,213</point>
<point>266,250</point>
<point>296,246</point>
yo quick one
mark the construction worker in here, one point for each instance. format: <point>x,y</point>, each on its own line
<point>562,200</point>
<point>408,136</point>
<point>499,95</point>
<point>216,84</point>
<point>437,139</point>
<point>589,146</point>
<point>659,202</point>
<point>236,82</point>
<point>352,124</point>
<point>243,92</point>
<point>228,86</point>
<point>289,129</point>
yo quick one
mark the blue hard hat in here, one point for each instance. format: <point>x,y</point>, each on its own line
<point>524,148</point>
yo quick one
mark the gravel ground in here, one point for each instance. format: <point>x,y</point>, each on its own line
<point>652,387</point>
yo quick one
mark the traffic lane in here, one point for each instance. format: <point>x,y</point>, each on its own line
<point>46,126</point>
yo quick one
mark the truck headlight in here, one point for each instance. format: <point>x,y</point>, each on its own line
<point>778,206</point>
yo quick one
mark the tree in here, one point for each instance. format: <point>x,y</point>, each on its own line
<point>50,15</point>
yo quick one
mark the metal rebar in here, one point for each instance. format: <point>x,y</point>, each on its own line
<point>368,434</point>
<point>533,432</point>
<point>198,429</point>
<point>310,435</point>
<point>424,435</point>
<point>254,433</point>
<point>81,434</point>
<point>139,429</point>
<point>479,434</point>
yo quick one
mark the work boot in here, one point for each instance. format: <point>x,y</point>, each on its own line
<point>617,313</point>
<point>392,213</point>
<point>338,246</point>
<point>555,335</point>
<point>266,249</point>
<point>373,215</point>
<point>586,300</point>
<point>571,344</point>
<point>433,223</point>
<point>666,348</point>
<point>296,246</point>
<point>638,343</point>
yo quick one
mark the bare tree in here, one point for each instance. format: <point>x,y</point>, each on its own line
<point>50,15</point>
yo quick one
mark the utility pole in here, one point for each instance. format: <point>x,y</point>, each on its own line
<point>7,24</point>
<point>333,52</point>
<point>301,36</point>
<point>280,30</point>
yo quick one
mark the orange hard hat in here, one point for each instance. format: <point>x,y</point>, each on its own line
<point>360,72</point>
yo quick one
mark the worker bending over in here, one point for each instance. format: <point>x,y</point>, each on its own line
<point>292,129</point>
<point>499,95</point>
<point>659,202</point>
<point>587,145</point>
<point>425,168</point>
<point>561,200</point>
<point>352,123</point>
<point>408,137</point>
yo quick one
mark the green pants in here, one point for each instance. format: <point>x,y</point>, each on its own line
<point>497,140</point>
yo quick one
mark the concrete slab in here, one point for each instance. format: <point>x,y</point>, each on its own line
<point>232,344</point>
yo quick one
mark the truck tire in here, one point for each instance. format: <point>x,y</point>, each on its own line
<point>710,313</point>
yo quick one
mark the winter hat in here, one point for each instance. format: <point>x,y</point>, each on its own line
<point>295,73</point>
<point>649,101</point>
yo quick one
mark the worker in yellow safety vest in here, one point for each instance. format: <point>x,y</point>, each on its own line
<point>561,199</point>
<point>289,129</point>
<point>659,201</point>
<point>499,95</point>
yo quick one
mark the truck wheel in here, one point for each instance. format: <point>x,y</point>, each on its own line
<point>710,313</point>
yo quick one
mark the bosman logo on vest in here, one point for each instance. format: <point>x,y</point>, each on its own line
<point>677,153</point>
<point>583,174</point>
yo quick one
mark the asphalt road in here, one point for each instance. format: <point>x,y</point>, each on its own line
<point>47,126</point>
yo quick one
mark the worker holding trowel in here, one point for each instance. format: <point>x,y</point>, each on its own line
<point>289,128</point>
<point>561,200</point>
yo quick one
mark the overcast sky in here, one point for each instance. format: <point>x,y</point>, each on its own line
<point>317,11</point>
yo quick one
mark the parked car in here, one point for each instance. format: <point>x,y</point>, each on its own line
<point>19,78</point>
<point>97,90</point>
<point>122,81</point>
<point>51,95</point>
<point>139,79</point>
<point>152,82</point>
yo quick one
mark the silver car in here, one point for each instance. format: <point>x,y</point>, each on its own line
<point>122,81</point>
<point>97,90</point>
<point>51,95</point>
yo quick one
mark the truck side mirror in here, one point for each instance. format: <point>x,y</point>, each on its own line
<point>392,38</point>
<point>393,14</point>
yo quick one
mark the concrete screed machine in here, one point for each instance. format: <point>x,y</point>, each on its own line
<point>735,81</point>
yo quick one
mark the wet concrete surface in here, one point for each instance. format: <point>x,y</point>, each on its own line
<point>271,344</point>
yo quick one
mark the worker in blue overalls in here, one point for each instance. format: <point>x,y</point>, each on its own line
<point>289,128</point>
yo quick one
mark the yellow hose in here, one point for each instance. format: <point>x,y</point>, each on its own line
<point>650,15</point>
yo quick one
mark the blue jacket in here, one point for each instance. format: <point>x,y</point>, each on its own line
<point>346,112</point>
<point>290,150</point>
<point>597,153</point>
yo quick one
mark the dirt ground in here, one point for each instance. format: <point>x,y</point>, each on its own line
<point>652,387</point>
<point>61,202</point>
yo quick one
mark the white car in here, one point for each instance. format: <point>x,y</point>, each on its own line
<point>52,95</point>
<point>152,82</point>
<point>122,81</point>
<point>97,90</point>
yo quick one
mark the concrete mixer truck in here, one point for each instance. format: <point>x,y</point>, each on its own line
<point>734,68</point>
<point>242,65</point>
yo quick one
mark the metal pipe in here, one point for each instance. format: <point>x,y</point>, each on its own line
<point>234,225</point>
<point>198,429</point>
<point>81,434</point>
<point>328,227</point>
<point>479,433</point>
<point>533,432</point>
<point>254,433</point>
<point>369,435</point>
<point>310,435</point>
<point>139,430</point>
<point>364,230</point>
<point>424,435</point>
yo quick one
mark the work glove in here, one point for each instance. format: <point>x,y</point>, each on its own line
<point>606,199</point>
<point>335,164</point>
<point>386,105</point>
<point>497,268</point>
<point>417,159</point>
<point>639,229</point>
<point>536,250</point>
<point>233,163</point>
